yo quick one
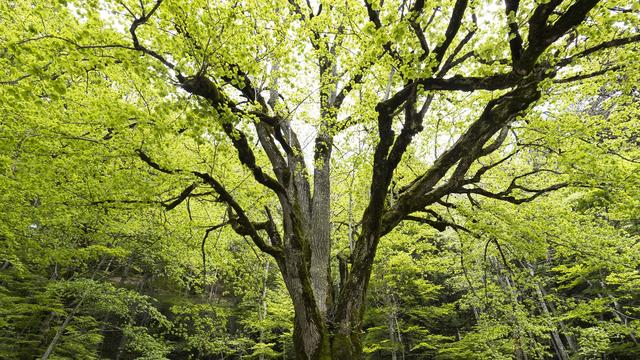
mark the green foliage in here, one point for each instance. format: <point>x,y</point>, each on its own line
<point>103,256</point>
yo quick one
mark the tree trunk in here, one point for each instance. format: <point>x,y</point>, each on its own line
<point>60,330</point>
<point>315,336</point>
<point>558,345</point>
<point>392,335</point>
<point>262,309</point>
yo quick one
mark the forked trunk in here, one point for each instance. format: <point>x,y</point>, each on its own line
<point>335,334</point>
<point>334,346</point>
<point>319,335</point>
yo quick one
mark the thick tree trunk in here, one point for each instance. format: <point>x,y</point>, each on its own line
<point>318,336</point>
<point>315,336</point>
<point>332,346</point>
<point>321,226</point>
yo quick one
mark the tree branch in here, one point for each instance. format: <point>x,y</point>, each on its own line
<point>247,158</point>
<point>506,195</point>
<point>454,83</point>
<point>587,75</point>
<point>202,248</point>
<point>602,46</point>
<point>439,224</point>
<point>137,22</point>
<point>144,157</point>
<point>182,197</point>
<point>422,191</point>
<point>452,29</point>
<point>242,217</point>
<point>541,35</point>
<point>515,40</point>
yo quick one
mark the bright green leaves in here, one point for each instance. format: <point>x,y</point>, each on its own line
<point>38,308</point>
<point>84,217</point>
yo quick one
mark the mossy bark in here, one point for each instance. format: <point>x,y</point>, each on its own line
<point>332,346</point>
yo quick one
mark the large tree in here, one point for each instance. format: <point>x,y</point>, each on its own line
<point>261,76</point>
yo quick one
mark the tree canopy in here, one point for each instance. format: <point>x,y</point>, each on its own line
<point>320,179</point>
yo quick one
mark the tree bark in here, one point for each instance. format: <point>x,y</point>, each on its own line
<point>56,337</point>
<point>262,308</point>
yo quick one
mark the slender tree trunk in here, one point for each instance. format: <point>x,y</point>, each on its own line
<point>571,341</point>
<point>392,336</point>
<point>617,312</point>
<point>395,318</point>
<point>121,343</point>
<point>558,345</point>
<point>262,310</point>
<point>60,330</point>
<point>509,287</point>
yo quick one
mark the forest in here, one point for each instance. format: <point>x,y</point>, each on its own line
<point>320,179</point>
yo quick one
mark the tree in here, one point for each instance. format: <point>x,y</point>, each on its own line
<point>273,72</point>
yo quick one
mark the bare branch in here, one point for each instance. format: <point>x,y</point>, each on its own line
<point>247,158</point>
<point>451,61</point>
<point>243,220</point>
<point>422,191</point>
<point>455,83</point>
<point>144,157</point>
<point>596,48</point>
<point>182,197</point>
<point>374,16</point>
<point>14,81</point>
<point>497,143</point>
<point>202,248</point>
<point>137,22</point>
<point>508,197</point>
<point>439,224</point>
<point>587,75</point>
<point>415,12</point>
